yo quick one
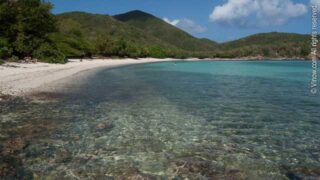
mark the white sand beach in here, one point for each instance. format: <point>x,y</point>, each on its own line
<point>21,79</point>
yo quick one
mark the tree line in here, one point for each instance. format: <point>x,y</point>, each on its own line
<point>29,29</point>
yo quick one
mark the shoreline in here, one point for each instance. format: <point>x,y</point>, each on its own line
<point>18,79</point>
<point>21,80</point>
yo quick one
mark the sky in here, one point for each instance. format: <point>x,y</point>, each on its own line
<point>218,20</point>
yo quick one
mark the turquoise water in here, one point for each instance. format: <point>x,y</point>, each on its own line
<point>196,120</point>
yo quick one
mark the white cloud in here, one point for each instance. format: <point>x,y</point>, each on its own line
<point>257,13</point>
<point>316,2</point>
<point>187,25</point>
<point>174,22</point>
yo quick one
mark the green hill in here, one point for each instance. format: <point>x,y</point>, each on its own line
<point>95,25</point>
<point>272,44</point>
<point>139,34</point>
<point>103,31</point>
<point>158,28</point>
<point>267,39</point>
<point>134,34</point>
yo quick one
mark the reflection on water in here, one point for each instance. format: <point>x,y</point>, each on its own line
<point>195,120</point>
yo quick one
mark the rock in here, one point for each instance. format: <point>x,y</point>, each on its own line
<point>139,177</point>
<point>63,156</point>
<point>193,168</point>
<point>133,174</point>
<point>234,174</point>
<point>304,173</point>
<point>14,145</point>
<point>104,126</point>
<point>101,126</point>
<point>11,167</point>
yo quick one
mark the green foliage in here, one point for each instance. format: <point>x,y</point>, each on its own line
<point>27,23</point>
<point>113,38</point>
<point>266,52</point>
<point>71,46</point>
<point>13,59</point>
<point>1,62</point>
<point>305,50</point>
<point>269,45</point>
<point>28,28</point>
<point>70,27</point>
<point>95,26</point>
<point>70,39</point>
<point>5,50</point>
<point>108,46</point>
<point>157,52</point>
<point>47,53</point>
<point>156,27</point>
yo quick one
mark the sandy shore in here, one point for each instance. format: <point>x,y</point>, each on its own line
<point>22,79</point>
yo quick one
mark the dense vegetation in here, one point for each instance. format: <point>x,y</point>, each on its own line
<point>25,25</point>
<point>269,45</point>
<point>29,29</point>
<point>105,36</point>
<point>162,30</point>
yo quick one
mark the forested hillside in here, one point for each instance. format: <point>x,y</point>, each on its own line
<point>269,45</point>
<point>105,36</point>
<point>29,29</point>
<point>158,28</point>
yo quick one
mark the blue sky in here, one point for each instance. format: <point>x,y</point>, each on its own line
<point>219,20</point>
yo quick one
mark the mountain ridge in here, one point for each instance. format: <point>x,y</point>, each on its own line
<point>143,30</point>
<point>31,30</point>
<point>157,27</point>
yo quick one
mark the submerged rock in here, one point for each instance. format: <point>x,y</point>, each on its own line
<point>304,173</point>
<point>234,174</point>
<point>14,145</point>
<point>11,167</point>
<point>104,126</point>
<point>63,156</point>
<point>101,126</point>
<point>133,174</point>
<point>193,168</point>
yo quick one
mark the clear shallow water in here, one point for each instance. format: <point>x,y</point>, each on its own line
<point>216,120</point>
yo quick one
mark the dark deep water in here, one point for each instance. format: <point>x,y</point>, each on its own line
<point>201,120</point>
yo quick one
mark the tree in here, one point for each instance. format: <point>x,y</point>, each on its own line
<point>49,54</point>
<point>26,24</point>
<point>105,46</point>
<point>5,50</point>
<point>7,18</point>
<point>305,50</point>
<point>266,52</point>
<point>70,27</point>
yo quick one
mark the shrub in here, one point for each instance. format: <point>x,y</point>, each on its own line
<point>5,50</point>
<point>72,46</point>
<point>13,59</point>
<point>49,54</point>
<point>1,62</point>
<point>26,24</point>
<point>157,52</point>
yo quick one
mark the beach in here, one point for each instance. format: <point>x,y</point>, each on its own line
<point>22,79</point>
<point>18,79</point>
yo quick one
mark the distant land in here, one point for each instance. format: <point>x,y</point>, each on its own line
<point>135,34</point>
<point>146,35</point>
